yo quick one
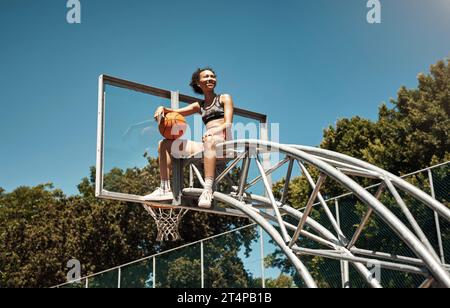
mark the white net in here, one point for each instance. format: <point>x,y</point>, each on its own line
<point>167,222</point>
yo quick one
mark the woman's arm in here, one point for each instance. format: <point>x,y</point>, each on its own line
<point>186,111</point>
<point>228,107</point>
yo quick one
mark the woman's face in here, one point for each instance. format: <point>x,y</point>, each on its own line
<point>207,81</point>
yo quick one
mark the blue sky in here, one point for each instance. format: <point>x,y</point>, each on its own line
<point>304,63</point>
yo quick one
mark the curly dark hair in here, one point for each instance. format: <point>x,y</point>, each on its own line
<point>196,78</point>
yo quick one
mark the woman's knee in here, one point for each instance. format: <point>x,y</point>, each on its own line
<point>209,143</point>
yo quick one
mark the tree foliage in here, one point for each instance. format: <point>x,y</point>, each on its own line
<point>411,135</point>
<point>41,229</point>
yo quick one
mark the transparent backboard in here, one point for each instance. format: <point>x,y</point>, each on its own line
<point>128,135</point>
<point>131,134</point>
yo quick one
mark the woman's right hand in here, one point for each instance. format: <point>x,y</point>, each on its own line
<point>159,113</point>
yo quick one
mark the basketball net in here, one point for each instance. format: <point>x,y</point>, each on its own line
<point>167,221</point>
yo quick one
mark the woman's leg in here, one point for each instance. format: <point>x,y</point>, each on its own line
<point>210,161</point>
<point>163,192</point>
<point>166,150</point>
<point>175,148</point>
<point>210,157</point>
<point>165,160</point>
<point>210,148</point>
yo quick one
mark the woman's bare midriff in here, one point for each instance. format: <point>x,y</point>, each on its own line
<point>190,147</point>
<point>215,123</point>
<point>227,135</point>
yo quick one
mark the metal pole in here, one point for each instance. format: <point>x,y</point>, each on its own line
<point>175,99</point>
<point>191,176</point>
<point>231,166</point>
<point>261,239</point>
<point>306,234</point>
<point>436,219</point>
<point>177,164</point>
<point>244,173</point>
<point>154,272</point>
<point>345,274</point>
<point>199,175</point>
<point>87,283</point>
<point>202,264</point>
<point>365,219</point>
<point>288,179</point>
<point>264,128</point>
<point>177,172</point>
<point>428,283</point>
<point>272,200</point>
<point>419,232</point>
<point>387,256</point>
<point>268,172</point>
<point>308,209</point>
<point>119,277</point>
<point>383,264</point>
<point>100,137</point>
<point>335,225</point>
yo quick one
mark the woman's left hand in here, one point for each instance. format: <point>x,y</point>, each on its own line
<point>206,135</point>
<point>211,132</point>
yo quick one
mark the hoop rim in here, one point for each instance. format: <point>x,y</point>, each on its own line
<point>156,205</point>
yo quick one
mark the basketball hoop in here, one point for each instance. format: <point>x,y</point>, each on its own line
<point>167,221</point>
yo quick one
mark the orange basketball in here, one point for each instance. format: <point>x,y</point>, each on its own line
<point>172,126</point>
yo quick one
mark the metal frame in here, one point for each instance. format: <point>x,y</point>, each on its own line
<point>176,98</point>
<point>329,165</point>
<point>320,238</point>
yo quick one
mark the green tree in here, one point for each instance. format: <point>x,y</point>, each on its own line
<point>409,136</point>
<point>282,281</point>
<point>41,229</point>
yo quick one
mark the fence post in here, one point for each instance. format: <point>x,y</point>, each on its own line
<point>436,219</point>
<point>263,276</point>
<point>345,275</point>
<point>154,272</point>
<point>119,277</point>
<point>202,264</point>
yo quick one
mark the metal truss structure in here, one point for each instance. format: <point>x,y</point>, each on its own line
<point>276,216</point>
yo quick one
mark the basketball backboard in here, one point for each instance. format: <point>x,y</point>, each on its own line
<point>127,134</point>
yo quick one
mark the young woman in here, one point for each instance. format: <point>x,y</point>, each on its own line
<point>217,115</point>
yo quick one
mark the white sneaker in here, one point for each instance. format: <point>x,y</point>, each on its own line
<point>205,199</point>
<point>159,195</point>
